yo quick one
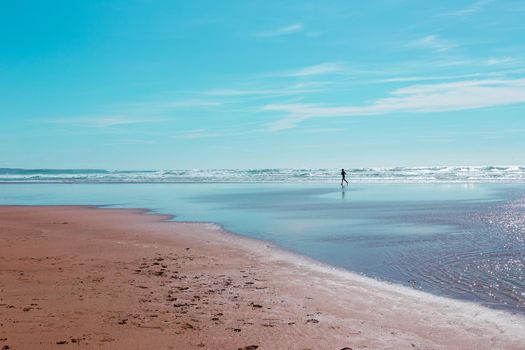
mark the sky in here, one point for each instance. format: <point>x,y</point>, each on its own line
<point>145,84</point>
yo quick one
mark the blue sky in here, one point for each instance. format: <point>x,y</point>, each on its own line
<point>143,84</point>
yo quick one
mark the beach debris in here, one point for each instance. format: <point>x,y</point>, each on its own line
<point>62,342</point>
<point>188,326</point>
<point>312,320</point>
<point>183,305</point>
<point>249,347</point>
<point>5,347</point>
<point>346,348</point>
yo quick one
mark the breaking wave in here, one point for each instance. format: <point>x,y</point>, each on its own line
<point>394,174</point>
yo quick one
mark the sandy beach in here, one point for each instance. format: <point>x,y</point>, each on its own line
<point>118,279</point>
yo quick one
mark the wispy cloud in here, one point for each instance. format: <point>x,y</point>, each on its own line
<point>240,92</point>
<point>133,142</point>
<point>499,60</point>
<point>432,42</point>
<point>422,98</point>
<point>321,130</point>
<point>280,91</point>
<point>102,121</point>
<point>166,105</point>
<point>318,69</point>
<point>196,134</point>
<point>205,133</point>
<point>472,8</point>
<point>434,78</point>
<point>286,30</point>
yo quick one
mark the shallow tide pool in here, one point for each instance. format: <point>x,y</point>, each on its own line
<point>465,241</point>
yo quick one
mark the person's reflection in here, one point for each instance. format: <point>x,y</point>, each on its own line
<point>343,194</point>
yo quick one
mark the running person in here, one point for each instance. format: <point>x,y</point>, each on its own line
<point>343,175</point>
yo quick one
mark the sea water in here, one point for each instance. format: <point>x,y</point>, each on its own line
<point>461,240</point>
<point>393,174</point>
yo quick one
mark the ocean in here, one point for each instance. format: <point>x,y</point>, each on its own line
<point>455,238</point>
<point>396,174</point>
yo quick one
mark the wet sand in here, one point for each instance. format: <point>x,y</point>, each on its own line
<point>118,279</point>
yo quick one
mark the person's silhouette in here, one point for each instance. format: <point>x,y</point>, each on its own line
<point>343,175</point>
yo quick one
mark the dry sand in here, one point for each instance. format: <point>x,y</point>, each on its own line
<point>75,277</point>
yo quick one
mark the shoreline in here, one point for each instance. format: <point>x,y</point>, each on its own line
<point>357,181</point>
<point>268,296</point>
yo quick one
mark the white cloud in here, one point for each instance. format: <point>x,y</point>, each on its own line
<point>318,69</point>
<point>239,92</point>
<point>432,42</point>
<point>187,103</point>
<point>204,133</point>
<point>102,121</point>
<point>321,130</point>
<point>421,98</point>
<point>472,8</point>
<point>133,142</point>
<point>499,60</point>
<point>287,30</point>
<point>162,106</point>
<point>429,78</point>
<point>196,134</point>
<point>283,91</point>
